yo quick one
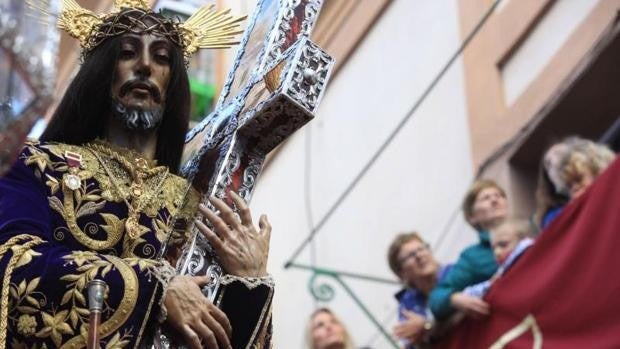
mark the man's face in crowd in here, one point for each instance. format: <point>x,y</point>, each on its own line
<point>327,332</point>
<point>141,79</point>
<point>416,262</point>
<point>490,208</point>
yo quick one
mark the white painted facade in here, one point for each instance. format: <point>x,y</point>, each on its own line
<point>416,184</point>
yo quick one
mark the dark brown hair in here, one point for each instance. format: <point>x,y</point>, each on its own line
<point>81,115</point>
<point>395,247</point>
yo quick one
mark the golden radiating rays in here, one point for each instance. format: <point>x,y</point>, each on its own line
<point>207,28</point>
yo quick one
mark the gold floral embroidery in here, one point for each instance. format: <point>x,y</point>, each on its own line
<point>41,159</point>
<point>26,258</point>
<point>117,342</point>
<point>92,198</point>
<point>24,301</point>
<point>26,325</point>
<point>68,321</point>
<point>87,202</point>
<point>90,264</point>
<point>18,251</point>
<point>52,183</point>
<point>65,322</point>
<point>55,326</point>
<point>129,244</point>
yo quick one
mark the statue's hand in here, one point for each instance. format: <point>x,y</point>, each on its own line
<point>190,313</point>
<point>242,249</point>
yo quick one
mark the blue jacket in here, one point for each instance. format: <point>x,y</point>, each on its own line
<point>413,300</point>
<point>475,264</point>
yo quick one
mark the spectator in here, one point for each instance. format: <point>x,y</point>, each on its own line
<point>509,240</point>
<point>584,163</point>
<point>485,205</point>
<point>567,169</point>
<point>411,259</point>
<point>550,194</point>
<point>326,331</point>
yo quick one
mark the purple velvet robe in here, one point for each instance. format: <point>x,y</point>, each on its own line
<point>54,240</point>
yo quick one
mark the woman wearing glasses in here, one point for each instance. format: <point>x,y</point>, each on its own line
<point>411,259</point>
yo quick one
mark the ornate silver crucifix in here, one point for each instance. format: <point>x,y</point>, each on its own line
<point>274,88</point>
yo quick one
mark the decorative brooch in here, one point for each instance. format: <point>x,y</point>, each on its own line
<point>71,179</point>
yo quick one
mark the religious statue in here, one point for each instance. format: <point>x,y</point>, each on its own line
<point>114,194</point>
<point>99,194</point>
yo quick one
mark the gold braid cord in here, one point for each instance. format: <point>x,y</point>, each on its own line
<point>207,28</point>
<point>19,244</point>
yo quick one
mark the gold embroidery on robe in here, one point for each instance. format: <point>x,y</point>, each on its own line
<point>19,245</point>
<point>97,190</point>
<point>90,265</point>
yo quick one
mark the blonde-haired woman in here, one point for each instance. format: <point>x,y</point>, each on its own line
<point>584,164</point>
<point>326,331</point>
<point>568,168</point>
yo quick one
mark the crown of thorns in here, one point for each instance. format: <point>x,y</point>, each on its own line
<point>136,21</point>
<point>207,28</point>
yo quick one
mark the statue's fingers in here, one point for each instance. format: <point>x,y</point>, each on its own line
<point>216,330</point>
<point>191,337</point>
<point>226,213</point>
<point>221,319</point>
<point>206,333</point>
<point>201,280</point>
<point>213,238</point>
<point>244,210</point>
<point>265,227</point>
<point>218,223</point>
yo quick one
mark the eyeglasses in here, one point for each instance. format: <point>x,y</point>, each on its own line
<point>413,254</point>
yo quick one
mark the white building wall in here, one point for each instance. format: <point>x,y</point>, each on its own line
<point>417,183</point>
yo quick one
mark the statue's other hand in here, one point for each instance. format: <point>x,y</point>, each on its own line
<point>242,248</point>
<point>191,314</point>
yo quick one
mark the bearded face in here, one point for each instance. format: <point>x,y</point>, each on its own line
<point>141,81</point>
<point>136,118</point>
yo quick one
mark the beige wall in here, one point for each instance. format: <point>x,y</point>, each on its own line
<point>417,184</point>
<point>495,120</point>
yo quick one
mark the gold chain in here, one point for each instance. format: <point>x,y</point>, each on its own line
<point>132,225</point>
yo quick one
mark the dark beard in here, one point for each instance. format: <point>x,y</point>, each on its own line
<point>136,118</point>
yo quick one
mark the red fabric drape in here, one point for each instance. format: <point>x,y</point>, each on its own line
<point>569,281</point>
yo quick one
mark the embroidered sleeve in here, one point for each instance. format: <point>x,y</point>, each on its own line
<point>43,295</point>
<point>248,303</point>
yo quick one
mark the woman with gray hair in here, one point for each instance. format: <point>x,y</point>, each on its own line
<point>568,168</point>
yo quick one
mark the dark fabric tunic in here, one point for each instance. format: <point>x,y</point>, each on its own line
<point>55,238</point>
